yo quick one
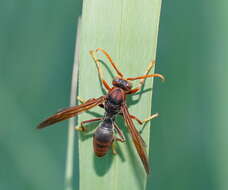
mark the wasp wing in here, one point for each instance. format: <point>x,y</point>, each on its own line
<point>71,112</point>
<point>137,139</point>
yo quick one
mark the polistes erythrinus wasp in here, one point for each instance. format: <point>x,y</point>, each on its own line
<point>114,103</point>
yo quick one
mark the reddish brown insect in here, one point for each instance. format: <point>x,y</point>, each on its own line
<point>114,103</point>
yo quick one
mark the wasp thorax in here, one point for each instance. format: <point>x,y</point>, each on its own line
<point>122,83</point>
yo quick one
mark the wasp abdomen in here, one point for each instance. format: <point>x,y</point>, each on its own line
<point>102,140</point>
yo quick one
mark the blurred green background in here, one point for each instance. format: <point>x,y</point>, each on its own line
<point>189,142</point>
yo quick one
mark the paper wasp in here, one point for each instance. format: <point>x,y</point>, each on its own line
<point>114,103</point>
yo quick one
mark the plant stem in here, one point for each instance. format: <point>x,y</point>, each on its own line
<point>127,29</point>
<point>71,131</point>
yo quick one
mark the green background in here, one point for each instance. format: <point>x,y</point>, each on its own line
<point>189,140</point>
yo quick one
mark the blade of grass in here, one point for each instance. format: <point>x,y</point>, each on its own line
<point>71,131</point>
<point>128,31</point>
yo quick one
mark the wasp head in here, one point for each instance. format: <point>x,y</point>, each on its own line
<point>122,83</point>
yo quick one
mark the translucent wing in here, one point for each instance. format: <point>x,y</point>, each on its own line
<point>71,112</point>
<point>137,139</point>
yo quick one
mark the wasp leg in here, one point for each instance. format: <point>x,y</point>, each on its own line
<point>120,133</point>
<point>114,144</point>
<point>100,72</point>
<point>119,73</point>
<point>114,148</point>
<point>121,139</point>
<point>143,78</point>
<point>82,101</point>
<point>81,127</point>
<point>141,122</point>
<point>142,81</point>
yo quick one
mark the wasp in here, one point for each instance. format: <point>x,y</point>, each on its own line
<point>113,103</point>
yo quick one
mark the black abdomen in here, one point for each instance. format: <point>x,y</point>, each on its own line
<point>102,139</point>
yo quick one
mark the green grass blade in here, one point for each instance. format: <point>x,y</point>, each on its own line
<point>128,31</point>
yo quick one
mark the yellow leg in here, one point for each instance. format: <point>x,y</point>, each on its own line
<point>100,72</point>
<point>120,133</point>
<point>114,65</point>
<point>141,122</point>
<point>143,78</point>
<point>81,127</point>
<point>150,118</point>
<point>148,69</point>
<point>121,139</point>
<point>142,81</point>
<point>114,148</point>
<point>81,100</point>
